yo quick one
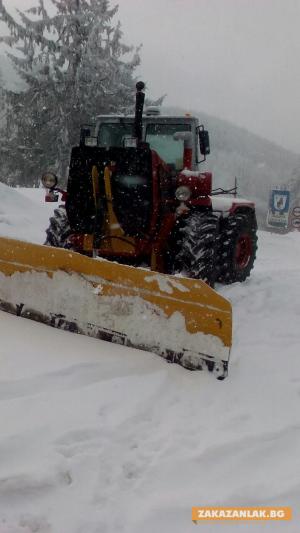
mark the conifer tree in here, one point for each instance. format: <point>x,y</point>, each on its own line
<point>73,65</point>
<point>3,154</point>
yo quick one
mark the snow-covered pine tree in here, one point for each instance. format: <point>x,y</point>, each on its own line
<point>3,154</point>
<point>1,96</point>
<point>74,66</point>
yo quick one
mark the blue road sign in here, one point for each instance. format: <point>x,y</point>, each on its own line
<point>280,201</point>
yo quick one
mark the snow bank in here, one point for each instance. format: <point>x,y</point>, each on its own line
<point>24,214</point>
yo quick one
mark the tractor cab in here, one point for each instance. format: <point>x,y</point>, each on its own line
<point>162,133</point>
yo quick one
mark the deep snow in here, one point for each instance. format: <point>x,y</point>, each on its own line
<point>101,438</point>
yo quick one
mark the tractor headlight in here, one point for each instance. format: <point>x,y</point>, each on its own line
<point>49,180</point>
<point>183,193</point>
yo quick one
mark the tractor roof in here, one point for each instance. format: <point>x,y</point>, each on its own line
<point>148,118</point>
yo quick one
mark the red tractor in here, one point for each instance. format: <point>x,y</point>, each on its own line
<point>135,194</point>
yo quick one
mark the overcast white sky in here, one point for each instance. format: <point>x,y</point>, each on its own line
<point>235,59</point>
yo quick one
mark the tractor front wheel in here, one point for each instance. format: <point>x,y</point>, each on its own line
<point>195,246</point>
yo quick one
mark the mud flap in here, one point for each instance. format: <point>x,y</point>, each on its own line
<point>182,320</point>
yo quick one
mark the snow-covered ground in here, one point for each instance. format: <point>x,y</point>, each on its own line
<point>99,438</point>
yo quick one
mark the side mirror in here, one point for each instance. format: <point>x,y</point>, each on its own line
<point>204,141</point>
<point>86,137</point>
<point>91,141</point>
<point>84,133</point>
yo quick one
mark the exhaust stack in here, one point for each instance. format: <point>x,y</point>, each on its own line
<point>139,106</point>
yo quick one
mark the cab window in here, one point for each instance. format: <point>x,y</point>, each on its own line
<point>113,133</point>
<point>160,138</point>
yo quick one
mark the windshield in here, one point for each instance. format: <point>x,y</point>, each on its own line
<point>160,138</point>
<point>114,133</point>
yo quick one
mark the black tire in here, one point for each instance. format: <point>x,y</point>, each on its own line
<point>237,248</point>
<point>195,247</point>
<point>59,229</point>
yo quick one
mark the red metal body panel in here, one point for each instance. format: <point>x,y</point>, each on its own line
<point>204,201</point>
<point>187,157</point>
<point>200,184</point>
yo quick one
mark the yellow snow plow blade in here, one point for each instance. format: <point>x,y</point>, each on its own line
<point>181,319</point>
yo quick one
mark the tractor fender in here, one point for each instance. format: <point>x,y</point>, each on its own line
<point>228,206</point>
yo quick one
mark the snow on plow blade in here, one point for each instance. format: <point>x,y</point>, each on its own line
<point>183,320</point>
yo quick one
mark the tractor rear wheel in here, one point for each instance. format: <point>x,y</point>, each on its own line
<point>59,229</point>
<point>237,248</point>
<point>195,247</point>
